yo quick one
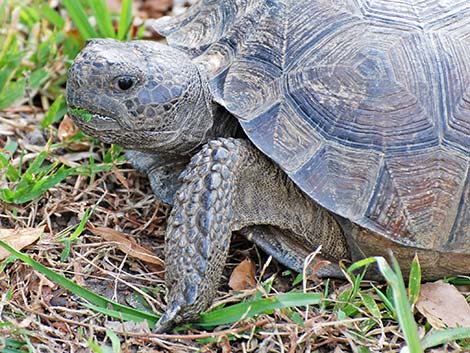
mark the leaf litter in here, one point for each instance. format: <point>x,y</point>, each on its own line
<point>243,276</point>
<point>443,305</point>
<point>127,245</point>
<point>19,238</point>
<point>126,209</point>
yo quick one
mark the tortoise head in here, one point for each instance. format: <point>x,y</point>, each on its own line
<point>141,95</point>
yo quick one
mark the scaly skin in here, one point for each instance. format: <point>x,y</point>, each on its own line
<point>154,101</point>
<point>199,231</point>
<point>163,175</point>
<point>212,203</point>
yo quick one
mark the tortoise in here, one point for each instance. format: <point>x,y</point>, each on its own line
<point>341,123</point>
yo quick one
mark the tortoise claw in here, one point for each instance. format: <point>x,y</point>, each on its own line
<point>169,319</point>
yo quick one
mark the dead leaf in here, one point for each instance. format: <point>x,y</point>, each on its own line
<point>70,159</point>
<point>338,350</point>
<point>128,326</point>
<point>225,344</point>
<point>67,129</point>
<point>243,276</point>
<point>127,245</point>
<point>120,177</point>
<point>26,323</point>
<point>61,326</point>
<point>316,267</point>
<point>45,282</point>
<point>155,8</point>
<point>443,305</point>
<point>78,274</point>
<point>114,5</point>
<point>19,238</point>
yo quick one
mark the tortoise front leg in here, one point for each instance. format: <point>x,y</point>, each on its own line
<point>199,231</point>
<point>231,186</point>
<point>162,174</point>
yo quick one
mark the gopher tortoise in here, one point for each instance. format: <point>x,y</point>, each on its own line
<point>344,123</point>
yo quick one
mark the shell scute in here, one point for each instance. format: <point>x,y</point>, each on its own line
<point>364,103</point>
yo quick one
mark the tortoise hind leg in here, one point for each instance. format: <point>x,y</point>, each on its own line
<point>279,244</point>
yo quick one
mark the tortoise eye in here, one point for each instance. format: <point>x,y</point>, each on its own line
<point>125,82</point>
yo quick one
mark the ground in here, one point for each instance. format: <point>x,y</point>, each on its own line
<point>101,227</point>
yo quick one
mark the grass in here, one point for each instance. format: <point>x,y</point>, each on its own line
<point>73,290</point>
<point>399,306</point>
<point>104,24</point>
<point>34,181</point>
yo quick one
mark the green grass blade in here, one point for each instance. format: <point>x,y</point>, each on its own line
<point>10,147</point>
<point>36,180</point>
<point>138,316</point>
<point>414,283</point>
<point>7,195</point>
<point>400,299</point>
<point>362,263</point>
<point>13,346</point>
<point>81,226</point>
<point>80,18</point>
<point>27,177</point>
<point>45,53</point>
<point>4,160</point>
<point>82,113</point>
<point>11,173</point>
<point>37,163</point>
<point>3,6</point>
<point>52,16</point>
<point>116,344</point>
<point>9,64</point>
<point>95,347</point>
<point>371,305</point>
<point>72,46</point>
<point>95,299</point>
<point>12,350</point>
<point>12,92</point>
<point>37,78</point>
<point>36,189</point>
<point>51,115</point>
<point>10,43</point>
<point>103,18</point>
<point>402,304</point>
<point>436,338</point>
<point>125,20</point>
<point>388,304</point>
<point>48,182</point>
<point>5,74</point>
<point>249,309</point>
<point>458,281</point>
<point>29,16</point>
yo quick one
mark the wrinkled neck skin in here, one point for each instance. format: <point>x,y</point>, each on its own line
<point>203,121</point>
<point>224,124</point>
<point>218,122</point>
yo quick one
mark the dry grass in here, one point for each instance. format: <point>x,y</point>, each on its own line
<point>54,321</point>
<point>43,317</point>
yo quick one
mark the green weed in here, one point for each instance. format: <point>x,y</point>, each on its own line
<point>104,23</point>
<point>35,181</point>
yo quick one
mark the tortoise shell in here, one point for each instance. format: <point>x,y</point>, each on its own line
<point>365,104</point>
